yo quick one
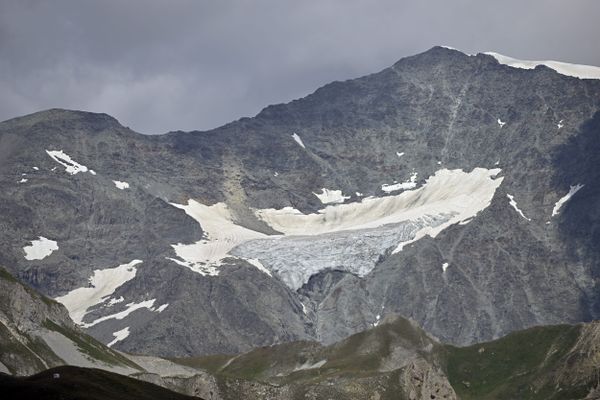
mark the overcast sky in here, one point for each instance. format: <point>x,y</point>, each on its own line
<point>183,65</point>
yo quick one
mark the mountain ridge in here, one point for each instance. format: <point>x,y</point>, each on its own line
<point>442,110</point>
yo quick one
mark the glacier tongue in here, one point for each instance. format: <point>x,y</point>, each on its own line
<point>352,237</point>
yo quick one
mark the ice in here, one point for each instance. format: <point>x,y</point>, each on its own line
<point>103,283</point>
<point>40,249</point>
<point>339,235</point>
<point>513,204</point>
<point>121,185</point>
<point>71,166</point>
<point>565,198</point>
<point>331,196</point>
<point>298,140</point>
<point>119,335</point>
<point>409,184</point>
<point>575,70</point>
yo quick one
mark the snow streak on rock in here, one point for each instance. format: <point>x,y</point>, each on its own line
<point>513,204</point>
<point>72,167</point>
<point>565,198</point>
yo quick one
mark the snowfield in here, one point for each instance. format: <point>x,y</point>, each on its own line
<point>40,249</point>
<point>350,237</point>
<point>221,235</point>
<point>102,284</point>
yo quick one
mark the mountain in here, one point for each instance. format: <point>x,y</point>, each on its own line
<point>36,333</point>
<point>398,360</point>
<point>452,189</point>
<point>395,359</point>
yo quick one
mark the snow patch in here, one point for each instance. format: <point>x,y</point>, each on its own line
<point>121,185</point>
<point>111,302</point>
<point>40,249</point>
<point>119,335</point>
<point>298,140</point>
<point>575,70</point>
<point>445,266</point>
<point>102,284</point>
<point>72,167</point>
<point>513,204</point>
<point>35,168</point>
<point>23,180</point>
<point>501,123</point>
<point>399,154</point>
<point>377,320</point>
<point>560,124</point>
<point>565,198</point>
<point>411,183</point>
<point>331,196</point>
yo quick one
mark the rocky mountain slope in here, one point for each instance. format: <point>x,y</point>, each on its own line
<point>396,359</point>
<point>448,188</point>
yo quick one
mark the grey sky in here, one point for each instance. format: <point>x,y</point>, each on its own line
<point>169,65</point>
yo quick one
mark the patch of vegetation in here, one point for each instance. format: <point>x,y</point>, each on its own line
<point>13,351</point>
<point>4,274</point>
<point>517,366</point>
<point>91,346</point>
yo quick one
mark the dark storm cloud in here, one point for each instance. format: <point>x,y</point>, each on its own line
<point>167,65</point>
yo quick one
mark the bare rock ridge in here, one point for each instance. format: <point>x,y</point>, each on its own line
<point>469,188</point>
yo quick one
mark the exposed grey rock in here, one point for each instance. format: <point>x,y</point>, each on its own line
<point>504,272</point>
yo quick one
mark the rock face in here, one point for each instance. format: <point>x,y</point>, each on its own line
<point>36,333</point>
<point>108,196</point>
